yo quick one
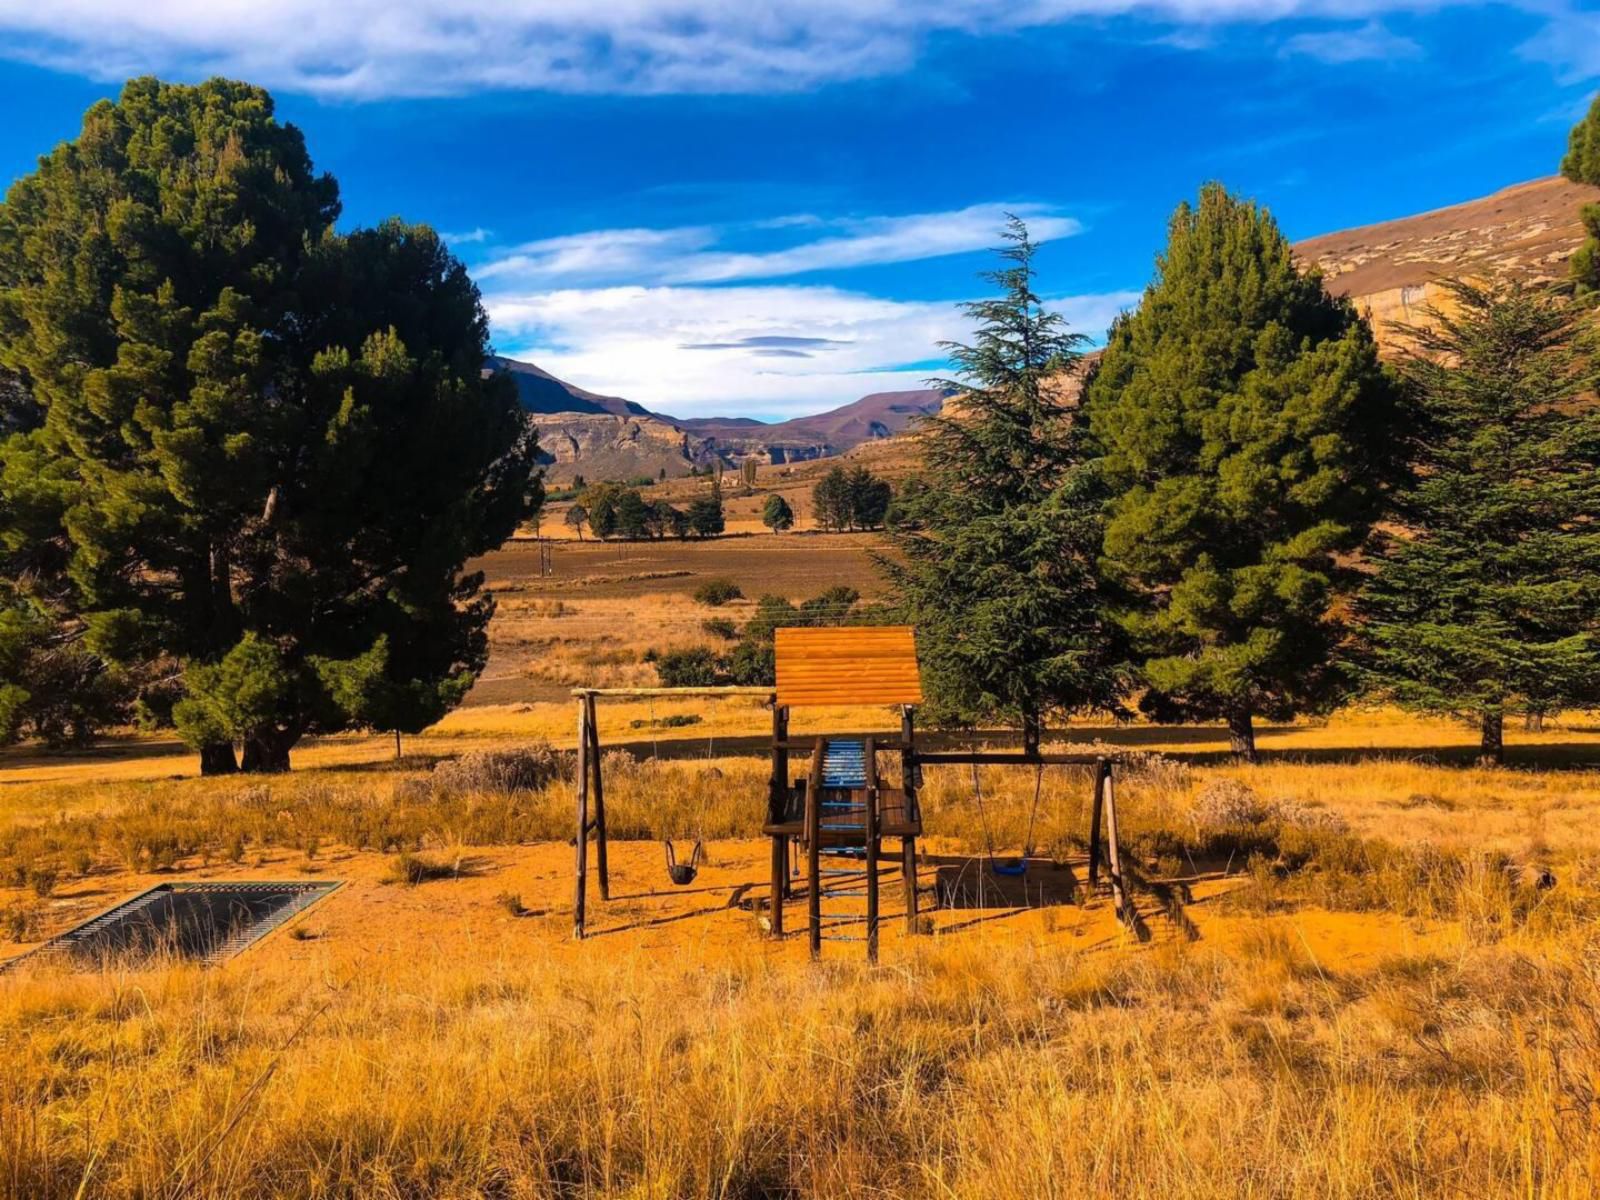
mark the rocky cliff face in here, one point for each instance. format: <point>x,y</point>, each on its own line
<point>1391,270</point>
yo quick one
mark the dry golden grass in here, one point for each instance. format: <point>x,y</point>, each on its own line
<point>1356,1018</point>
<point>1353,984</point>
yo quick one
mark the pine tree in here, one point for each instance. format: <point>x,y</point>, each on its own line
<point>776,514</point>
<point>1582,165</point>
<point>996,551</point>
<point>705,516</point>
<point>1248,430</point>
<point>1487,596</point>
<point>278,445</point>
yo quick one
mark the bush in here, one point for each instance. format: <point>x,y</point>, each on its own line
<point>717,592</point>
<point>524,770</point>
<point>695,667</point>
<point>721,627</point>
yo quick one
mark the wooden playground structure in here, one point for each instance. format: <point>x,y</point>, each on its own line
<point>838,814</point>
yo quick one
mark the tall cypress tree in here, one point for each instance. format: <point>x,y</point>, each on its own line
<point>275,444</point>
<point>1248,428</point>
<point>1487,595</point>
<point>997,544</point>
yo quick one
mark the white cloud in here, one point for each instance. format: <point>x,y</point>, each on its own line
<point>468,238</point>
<point>1366,43</point>
<point>1570,42</point>
<point>699,253</point>
<point>370,48</point>
<point>768,351</point>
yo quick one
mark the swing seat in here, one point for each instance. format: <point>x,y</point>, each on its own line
<point>683,874</point>
<point>1013,867</point>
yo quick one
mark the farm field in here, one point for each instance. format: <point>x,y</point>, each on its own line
<point>1349,974</point>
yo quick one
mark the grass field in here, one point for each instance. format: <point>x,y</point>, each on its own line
<point>1366,968</point>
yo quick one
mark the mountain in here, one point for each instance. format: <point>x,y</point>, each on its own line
<point>542,392</point>
<point>880,415</point>
<point>606,437</point>
<point>1390,270</point>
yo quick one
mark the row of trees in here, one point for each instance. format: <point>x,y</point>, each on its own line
<point>1246,514</point>
<point>245,456</point>
<point>613,510</point>
<point>851,498</point>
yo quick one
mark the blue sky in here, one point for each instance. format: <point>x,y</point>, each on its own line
<point>719,206</point>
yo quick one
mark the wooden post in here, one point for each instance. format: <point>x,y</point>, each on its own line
<point>813,850</point>
<point>873,846</point>
<point>908,784</point>
<point>599,800</point>
<point>582,840</point>
<point>1100,773</point>
<point>776,804</point>
<point>1113,854</point>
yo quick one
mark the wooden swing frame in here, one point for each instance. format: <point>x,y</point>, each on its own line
<point>867,667</point>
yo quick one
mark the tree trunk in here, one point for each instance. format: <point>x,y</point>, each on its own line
<point>217,759</point>
<point>1030,732</point>
<point>397,752</point>
<point>1492,749</point>
<point>267,752</point>
<point>1242,735</point>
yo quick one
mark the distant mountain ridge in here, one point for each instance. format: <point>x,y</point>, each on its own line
<point>586,433</point>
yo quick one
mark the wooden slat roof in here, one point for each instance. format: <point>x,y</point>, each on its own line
<point>858,664</point>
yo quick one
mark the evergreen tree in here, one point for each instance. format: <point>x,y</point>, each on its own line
<point>1582,165</point>
<point>1248,430</point>
<point>1487,597</point>
<point>633,514</point>
<point>705,517</point>
<point>602,504</point>
<point>1582,161</point>
<point>776,514</point>
<point>830,500</point>
<point>276,444</point>
<point>997,553</point>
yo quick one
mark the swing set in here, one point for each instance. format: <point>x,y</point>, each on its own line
<point>836,817</point>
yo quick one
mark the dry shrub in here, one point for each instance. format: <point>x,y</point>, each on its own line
<point>527,769</point>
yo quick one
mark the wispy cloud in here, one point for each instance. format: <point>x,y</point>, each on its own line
<point>701,253</point>
<point>364,49</point>
<point>761,350</point>
<point>1371,42</point>
<point>471,237</point>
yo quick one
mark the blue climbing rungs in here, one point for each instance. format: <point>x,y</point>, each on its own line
<point>844,764</point>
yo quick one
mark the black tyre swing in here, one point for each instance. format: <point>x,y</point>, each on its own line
<point>683,873</point>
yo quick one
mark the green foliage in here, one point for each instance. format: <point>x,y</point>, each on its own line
<point>752,663</point>
<point>53,687</point>
<point>720,627</point>
<point>633,514</point>
<point>1248,431</point>
<point>1488,595</point>
<point>717,592</point>
<point>851,499</point>
<point>698,666</point>
<point>997,545</point>
<point>1585,262</point>
<point>1582,161</point>
<point>1582,165</point>
<point>262,435</point>
<point>776,514</point>
<point>705,517</point>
